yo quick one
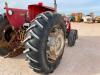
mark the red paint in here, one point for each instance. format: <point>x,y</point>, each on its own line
<point>40,3</point>
<point>68,25</point>
<point>35,9</point>
<point>18,18</point>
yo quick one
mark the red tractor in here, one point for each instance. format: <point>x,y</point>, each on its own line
<point>39,32</point>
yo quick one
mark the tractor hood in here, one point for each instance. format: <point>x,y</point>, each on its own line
<point>16,17</point>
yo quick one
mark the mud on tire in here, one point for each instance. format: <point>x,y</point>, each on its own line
<point>36,41</point>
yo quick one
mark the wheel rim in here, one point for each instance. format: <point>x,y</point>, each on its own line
<point>55,44</point>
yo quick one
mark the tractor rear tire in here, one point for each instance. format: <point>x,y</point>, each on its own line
<point>36,42</point>
<point>73,35</point>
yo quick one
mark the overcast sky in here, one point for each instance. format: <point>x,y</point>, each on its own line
<point>64,6</point>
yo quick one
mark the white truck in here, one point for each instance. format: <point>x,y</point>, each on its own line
<point>88,19</point>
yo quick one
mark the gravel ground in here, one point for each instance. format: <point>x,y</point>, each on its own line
<point>82,59</point>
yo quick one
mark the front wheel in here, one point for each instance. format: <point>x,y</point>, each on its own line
<point>45,42</point>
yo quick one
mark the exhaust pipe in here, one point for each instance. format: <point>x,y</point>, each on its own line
<point>55,5</point>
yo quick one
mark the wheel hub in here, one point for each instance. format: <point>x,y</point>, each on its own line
<point>55,44</point>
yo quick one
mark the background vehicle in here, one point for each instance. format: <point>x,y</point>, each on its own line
<point>97,19</point>
<point>89,18</point>
<point>71,18</point>
<point>40,32</point>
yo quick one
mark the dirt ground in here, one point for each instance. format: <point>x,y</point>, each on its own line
<point>82,59</point>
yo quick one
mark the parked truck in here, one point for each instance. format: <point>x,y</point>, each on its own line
<point>97,19</point>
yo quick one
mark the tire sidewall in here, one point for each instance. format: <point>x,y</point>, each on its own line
<point>50,66</point>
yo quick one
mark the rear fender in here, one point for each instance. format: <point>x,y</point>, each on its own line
<point>34,10</point>
<point>68,25</point>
